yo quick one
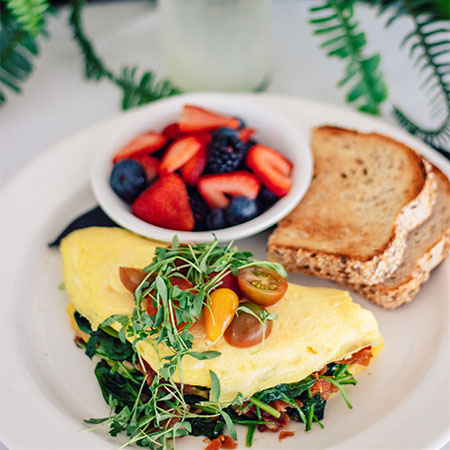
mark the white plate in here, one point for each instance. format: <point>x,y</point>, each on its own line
<point>48,386</point>
<point>272,129</point>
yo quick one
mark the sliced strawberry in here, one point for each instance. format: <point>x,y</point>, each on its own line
<point>179,153</point>
<point>172,131</point>
<point>204,136</point>
<point>150,164</point>
<point>194,118</point>
<point>272,168</point>
<point>214,187</point>
<point>165,204</point>
<point>193,169</point>
<point>245,134</point>
<point>148,142</point>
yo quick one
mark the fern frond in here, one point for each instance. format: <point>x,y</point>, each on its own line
<point>135,91</point>
<point>17,49</point>
<point>29,13</point>
<point>144,90</point>
<point>429,50</point>
<point>335,19</point>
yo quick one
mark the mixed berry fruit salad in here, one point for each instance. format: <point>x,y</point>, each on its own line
<point>204,172</point>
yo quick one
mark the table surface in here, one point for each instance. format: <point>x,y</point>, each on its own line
<point>57,101</point>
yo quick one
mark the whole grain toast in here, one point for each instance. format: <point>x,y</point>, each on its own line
<point>368,191</point>
<point>426,246</point>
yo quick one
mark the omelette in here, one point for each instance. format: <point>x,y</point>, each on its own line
<point>314,328</point>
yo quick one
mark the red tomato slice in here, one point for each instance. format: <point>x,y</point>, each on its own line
<point>261,285</point>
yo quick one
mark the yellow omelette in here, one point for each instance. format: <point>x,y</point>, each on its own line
<point>314,326</point>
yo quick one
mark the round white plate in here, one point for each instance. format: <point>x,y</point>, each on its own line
<point>48,386</point>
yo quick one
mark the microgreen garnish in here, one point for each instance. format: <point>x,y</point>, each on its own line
<point>149,406</point>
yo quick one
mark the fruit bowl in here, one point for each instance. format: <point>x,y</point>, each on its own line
<point>273,130</point>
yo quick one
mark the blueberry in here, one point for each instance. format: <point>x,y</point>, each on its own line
<point>224,133</point>
<point>128,179</point>
<point>266,197</point>
<point>241,209</point>
<point>215,219</point>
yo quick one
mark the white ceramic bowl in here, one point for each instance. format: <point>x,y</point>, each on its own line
<point>273,129</point>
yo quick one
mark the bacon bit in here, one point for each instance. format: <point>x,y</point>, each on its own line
<point>222,441</point>
<point>229,442</point>
<point>362,357</point>
<point>281,422</point>
<point>146,370</point>
<point>323,386</point>
<point>280,405</point>
<point>285,434</point>
<point>215,444</point>
<point>322,371</point>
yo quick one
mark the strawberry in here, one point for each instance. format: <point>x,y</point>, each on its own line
<point>165,204</point>
<point>214,187</point>
<point>179,153</point>
<point>150,164</point>
<point>271,168</point>
<point>245,134</point>
<point>193,169</point>
<point>194,118</point>
<point>172,131</point>
<point>148,142</point>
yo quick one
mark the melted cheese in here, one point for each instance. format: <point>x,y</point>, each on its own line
<point>314,327</point>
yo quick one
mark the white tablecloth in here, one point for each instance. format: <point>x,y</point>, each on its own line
<point>57,101</point>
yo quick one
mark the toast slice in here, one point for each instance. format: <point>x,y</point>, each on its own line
<point>426,246</point>
<point>368,191</point>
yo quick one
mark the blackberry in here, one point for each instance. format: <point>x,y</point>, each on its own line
<point>199,209</point>
<point>215,220</point>
<point>226,152</point>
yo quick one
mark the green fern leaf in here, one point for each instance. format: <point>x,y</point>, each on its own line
<point>429,50</point>
<point>17,49</point>
<point>335,19</point>
<point>29,13</point>
<point>145,90</point>
<point>135,91</point>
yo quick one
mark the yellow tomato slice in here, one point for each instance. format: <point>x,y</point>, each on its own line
<point>219,312</point>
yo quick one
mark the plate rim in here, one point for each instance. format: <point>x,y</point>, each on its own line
<point>46,157</point>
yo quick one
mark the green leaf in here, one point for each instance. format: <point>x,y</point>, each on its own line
<point>211,354</point>
<point>18,47</point>
<point>229,423</point>
<point>161,288</point>
<point>135,91</point>
<point>346,42</point>
<point>215,387</point>
<point>428,43</point>
<point>30,14</point>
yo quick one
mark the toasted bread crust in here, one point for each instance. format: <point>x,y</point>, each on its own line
<point>340,242</point>
<point>391,298</point>
<point>426,247</point>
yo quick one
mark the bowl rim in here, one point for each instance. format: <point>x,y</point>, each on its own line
<point>153,117</point>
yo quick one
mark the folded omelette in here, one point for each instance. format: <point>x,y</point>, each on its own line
<point>314,326</point>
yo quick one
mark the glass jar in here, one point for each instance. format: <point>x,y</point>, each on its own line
<point>216,45</point>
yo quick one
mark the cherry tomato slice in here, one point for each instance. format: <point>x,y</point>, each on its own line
<point>261,285</point>
<point>219,312</point>
<point>246,330</point>
<point>229,281</point>
<point>131,278</point>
